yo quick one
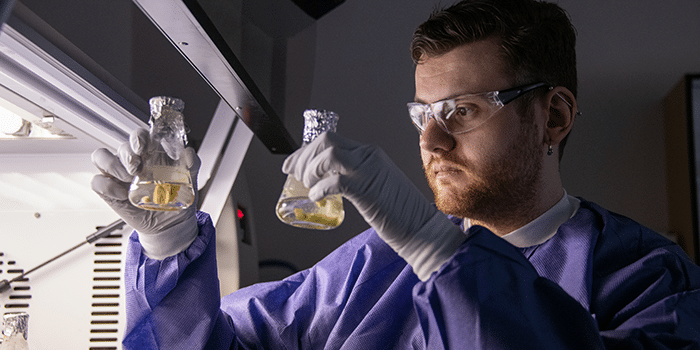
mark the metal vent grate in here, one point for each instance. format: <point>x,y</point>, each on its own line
<point>106,293</point>
<point>20,296</point>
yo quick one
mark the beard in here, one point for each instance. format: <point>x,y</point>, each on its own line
<point>499,189</point>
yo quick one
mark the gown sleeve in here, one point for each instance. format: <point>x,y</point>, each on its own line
<point>160,316</point>
<point>340,303</point>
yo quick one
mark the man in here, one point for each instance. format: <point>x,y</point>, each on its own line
<point>495,101</point>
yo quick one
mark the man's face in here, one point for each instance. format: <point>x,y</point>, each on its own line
<point>492,170</point>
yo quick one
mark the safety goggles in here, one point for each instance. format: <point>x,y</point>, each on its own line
<point>466,112</point>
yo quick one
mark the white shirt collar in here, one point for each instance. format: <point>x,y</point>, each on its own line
<point>545,226</point>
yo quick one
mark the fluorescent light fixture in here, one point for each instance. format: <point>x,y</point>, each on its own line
<point>12,124</point>
<point>40,79</point>
<point>18,123</point>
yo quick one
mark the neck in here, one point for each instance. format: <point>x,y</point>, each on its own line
<point>512,220</point>
<point>516,215</point>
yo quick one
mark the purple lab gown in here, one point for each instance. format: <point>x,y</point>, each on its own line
<point>603,281</point>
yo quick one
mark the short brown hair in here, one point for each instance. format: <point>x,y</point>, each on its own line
<point>537,38</point>
<point>538,41</point>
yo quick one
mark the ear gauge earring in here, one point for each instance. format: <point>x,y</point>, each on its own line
<point>550,151</point>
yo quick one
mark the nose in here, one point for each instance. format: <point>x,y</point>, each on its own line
<point>436,140</point>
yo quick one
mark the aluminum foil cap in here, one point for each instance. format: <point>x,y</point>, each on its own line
<point>168,124</point>
<point>316,122</point>
<point>16,322</point>
<point>163,104</point>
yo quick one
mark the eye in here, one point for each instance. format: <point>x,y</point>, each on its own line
<point>463,113</point>
<point>462,116</point>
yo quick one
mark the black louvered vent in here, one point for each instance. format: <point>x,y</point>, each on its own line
<point>20,296</point>
<point>106,293</point>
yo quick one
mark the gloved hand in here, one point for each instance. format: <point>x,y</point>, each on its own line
<point>161,233</point>
<point>383,195</point>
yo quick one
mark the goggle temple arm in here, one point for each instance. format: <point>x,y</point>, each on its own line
<point>506,96</point>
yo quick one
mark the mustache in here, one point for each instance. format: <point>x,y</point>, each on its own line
<point>446,162</point>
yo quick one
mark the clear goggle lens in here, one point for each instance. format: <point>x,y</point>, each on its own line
<point>459,115</point>
<point>466,112</point>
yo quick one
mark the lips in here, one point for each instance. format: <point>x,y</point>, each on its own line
<point>442,170</point>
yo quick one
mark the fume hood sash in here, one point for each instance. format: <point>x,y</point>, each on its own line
<point>185,24</point>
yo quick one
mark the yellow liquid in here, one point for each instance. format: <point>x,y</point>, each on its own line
<point>302,212</point>
<point>295,208</point>
<point>163,196</point>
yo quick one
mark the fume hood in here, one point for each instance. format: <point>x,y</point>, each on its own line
<point>64,94</point>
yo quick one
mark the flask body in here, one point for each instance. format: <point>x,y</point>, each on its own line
<point>163,184</point>
<point>295,208</point>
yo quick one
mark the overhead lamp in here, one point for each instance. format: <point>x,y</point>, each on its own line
<point>12,124</point>
<point>17,123</point>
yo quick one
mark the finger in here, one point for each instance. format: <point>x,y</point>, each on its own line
<point>192,160</point>
<point>295,164</point>
<point>130,160</point>
<point>139,140</point>
<point>110,188</point>
<point>326,187</point>
<point>115,195</point>
<point>338,160</point>
<point>193,163</point>
<point>110,165</point>
<point>328,161</point>
<point>172,147</point>
<point>302,155</point>
<point>290,163</point>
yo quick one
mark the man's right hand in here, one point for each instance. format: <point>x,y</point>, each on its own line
<point>161,233</point>
<point>382,194</point>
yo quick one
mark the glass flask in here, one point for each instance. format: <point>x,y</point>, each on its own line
<point>163,181</point>
<point>294,206</point>
<point>15,331</point>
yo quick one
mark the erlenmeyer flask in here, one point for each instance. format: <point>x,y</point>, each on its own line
<point>294,206</point>
<point>163,181</point>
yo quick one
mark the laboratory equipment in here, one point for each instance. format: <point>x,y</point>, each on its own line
<point>294,206</point>
<point>163,181</point>
<point>49,180</point>
<point>100,233</point>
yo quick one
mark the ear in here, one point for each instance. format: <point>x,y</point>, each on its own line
<point>563,108</point>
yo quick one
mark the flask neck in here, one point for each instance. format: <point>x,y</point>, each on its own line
<point>167,121</point>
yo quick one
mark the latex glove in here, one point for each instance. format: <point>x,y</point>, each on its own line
<point>161,233</point>
<point>383,195</point>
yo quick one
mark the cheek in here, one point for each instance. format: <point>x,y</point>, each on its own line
<point>477,147</point>
<point>493,142</point>
<point>424,156</point>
